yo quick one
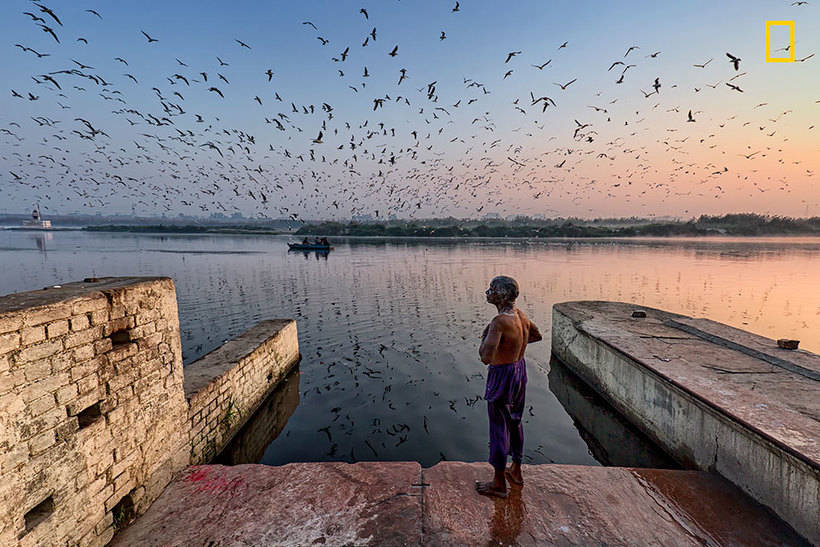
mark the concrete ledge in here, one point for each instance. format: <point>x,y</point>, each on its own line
<point>225,387</point>
<point>399,503</point>
<point>709,404</point>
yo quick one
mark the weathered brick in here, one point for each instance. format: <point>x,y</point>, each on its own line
<point>37,370</point>
<point>90,304</point>
<point>5,364</point>
<point>79,323</point>
<point>82,337</point>
<point>120,352</point>
<point>49,384</point>
<point>42,405</point>
<point>117,311</point>
<point>67,394</point>
<point>57,328</point>
<point>42,442</point>
<point>66,430</point>
<point>87,384</point>
<point>84,352</point>
<point>9,342</point>
<point>53,312</point>
<point>39,351</point>
<point>99,317</point>
<point>103,346</point>
<point>85,368</point>
<point>32,335</point>
<point>11,322</point>
<point>75,407</point>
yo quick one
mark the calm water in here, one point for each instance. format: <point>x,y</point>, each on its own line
<point>389,329</point>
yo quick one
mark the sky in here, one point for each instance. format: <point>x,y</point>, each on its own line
<point>459,135</point>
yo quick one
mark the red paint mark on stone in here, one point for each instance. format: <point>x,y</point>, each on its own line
<point>198,475</point>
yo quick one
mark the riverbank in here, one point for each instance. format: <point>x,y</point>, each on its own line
<point>743,225</point>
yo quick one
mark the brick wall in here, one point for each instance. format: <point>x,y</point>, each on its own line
<point>225,387</point>
<point>93,417</point>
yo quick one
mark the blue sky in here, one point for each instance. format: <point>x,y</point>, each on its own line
<point>656,159</point>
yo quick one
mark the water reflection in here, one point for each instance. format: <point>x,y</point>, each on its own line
<point>389,328</point>
<point>508,515</point>
<point>41,240</point>
<point>611,439</point>
<point>250,443</point>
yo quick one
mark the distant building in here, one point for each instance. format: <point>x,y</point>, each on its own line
<point>492,216</point>
<point>362,218</point>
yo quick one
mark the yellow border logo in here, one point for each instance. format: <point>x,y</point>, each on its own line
<point>769,58</point>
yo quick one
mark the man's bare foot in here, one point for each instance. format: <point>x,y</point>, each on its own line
<point>490,489</point>
<point>513,474</point>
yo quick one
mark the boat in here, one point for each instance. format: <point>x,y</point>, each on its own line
<point>311,247</point>
<point>37,222</point>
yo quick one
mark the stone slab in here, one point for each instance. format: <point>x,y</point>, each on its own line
<point>398,503</point>
<point>579,505</point>
<point>294,504</point>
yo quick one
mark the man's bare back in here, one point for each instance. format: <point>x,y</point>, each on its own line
<point>506,337</point>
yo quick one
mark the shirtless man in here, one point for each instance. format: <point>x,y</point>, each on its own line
<point>502,347</point>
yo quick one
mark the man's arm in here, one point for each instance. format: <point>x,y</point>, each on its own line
<point>490,343</point>
<point>534,333</point>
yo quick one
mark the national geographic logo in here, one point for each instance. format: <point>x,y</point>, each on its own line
<point>790,49</point>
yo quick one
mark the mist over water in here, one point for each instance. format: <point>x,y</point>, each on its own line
<point>389,329</point>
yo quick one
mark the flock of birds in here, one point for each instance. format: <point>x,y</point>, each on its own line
<point>410,157</point>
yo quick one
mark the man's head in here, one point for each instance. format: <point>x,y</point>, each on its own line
<point>502,290</point>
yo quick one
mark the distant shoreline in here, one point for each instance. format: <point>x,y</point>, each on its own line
<point>727,225</point>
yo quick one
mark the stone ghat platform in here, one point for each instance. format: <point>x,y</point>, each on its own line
<point>399,503</point>
<point>713,397</point>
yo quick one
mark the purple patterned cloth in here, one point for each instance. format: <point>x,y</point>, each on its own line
<point>506,389</point>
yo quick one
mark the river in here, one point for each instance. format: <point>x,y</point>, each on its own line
<point>389,328</point>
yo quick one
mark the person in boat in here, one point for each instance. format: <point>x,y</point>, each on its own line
<point>317,241</point>
<point>325,242</point>
<point>502,348</point>
<point>306,241</point>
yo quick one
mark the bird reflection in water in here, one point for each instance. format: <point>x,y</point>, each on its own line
<point>508,515</point>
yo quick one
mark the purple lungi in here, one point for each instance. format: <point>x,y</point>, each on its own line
<point>506,388</point>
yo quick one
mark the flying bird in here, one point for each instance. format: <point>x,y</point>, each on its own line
<point>149,38</point>
<point>512,54</point>
<point>734,60</point>
<point>566,85</point>
<point>394,52</point>
<point>364,12</point>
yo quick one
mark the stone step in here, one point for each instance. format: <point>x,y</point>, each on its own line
<point>399,503</point>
